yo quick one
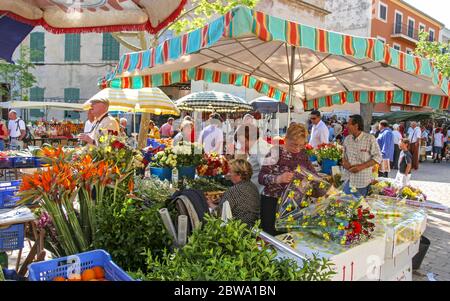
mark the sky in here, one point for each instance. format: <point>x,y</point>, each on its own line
<point>438,9</point>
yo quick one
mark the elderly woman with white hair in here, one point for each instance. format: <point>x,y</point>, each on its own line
<point>397,137</point>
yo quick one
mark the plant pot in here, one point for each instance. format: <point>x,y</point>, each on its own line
<point>327,165</point>
<point>312,158</point>
<point>423,248</point>
<point>163,173</point>
<point>186,172</point>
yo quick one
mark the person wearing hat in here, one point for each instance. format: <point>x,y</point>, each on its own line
<point>17,131</point>
<point>104,123</point>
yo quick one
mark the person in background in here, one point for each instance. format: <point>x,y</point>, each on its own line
<point>414,141</point>
<point>89,122</point>
<point>153,130</point>
<point>438,144</point>
<point>404,164</point>
<point>345,132</point>
<point>319,131</point>
<point>252,148</point>
<point>211,137</point>
<point>386,143</point>
<point>330,131</point>
<point>166,129</point>
<point>123,127</point>
<point>361,153</point>
<point>401,129</point>
<point>17,131</point>
<point>338,132</point>
<point>104,123</point>
<point>277,171</point>
<point>425,136</point>
<point>243,197</point>
<point>397,137</point>
<point>249,119</point>
<point>4,134</point>
<point>185,134</point>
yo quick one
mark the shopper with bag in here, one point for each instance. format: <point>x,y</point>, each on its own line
<point>404,164</point>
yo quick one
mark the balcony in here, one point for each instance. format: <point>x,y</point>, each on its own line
<point>403,31</point>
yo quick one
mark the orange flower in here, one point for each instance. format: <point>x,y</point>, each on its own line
<point>131,185</point>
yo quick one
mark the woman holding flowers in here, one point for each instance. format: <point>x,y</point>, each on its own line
<point>277,172</point>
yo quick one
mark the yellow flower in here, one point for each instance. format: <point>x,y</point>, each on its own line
<point>108,149</point>
<point>304,204</point>
<point>341,227</point>
<point>290,219</point>
<point>310,178</point>
<point>343,240</point>
<point>291,195</point>
<point>279,201</point>
<point>321,185</point>
<point>305,224</point>
<point>297,182</point>
<point>323,223</point>
<point>289,208</point>
<point>277,215</point>
<point>102,139</point>
<point>299,169</point>
<point>326,236</point>
<point>309,192</point>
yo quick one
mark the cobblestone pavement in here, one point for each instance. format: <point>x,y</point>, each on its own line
<point>434,181</point>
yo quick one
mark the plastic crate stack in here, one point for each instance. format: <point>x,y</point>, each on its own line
<point>11,237</point>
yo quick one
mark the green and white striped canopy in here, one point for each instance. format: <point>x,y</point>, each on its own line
<point>148,100</point>
<point>279,58</point>
<point>211,101</point>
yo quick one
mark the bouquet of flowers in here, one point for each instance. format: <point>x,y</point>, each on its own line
<point>383,188</point>
<point>329,151</point>
<point>310,150</point>
<point>340,218</point>
<point>412,193</point>
<point>213,165</point>
<point>188,154</point>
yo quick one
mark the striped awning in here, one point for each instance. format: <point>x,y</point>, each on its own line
<point>275,56</point>
<point>211,101</point>
<point>148,100</point>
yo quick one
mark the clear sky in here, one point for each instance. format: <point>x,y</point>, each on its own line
<point>438,9</point>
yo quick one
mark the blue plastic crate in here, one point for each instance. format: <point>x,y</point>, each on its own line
<point>6,162</point>
<point>64,266</point>
<point>39,162</point>
<point>11,237</point>
<point>8,198</point>
<point>23,162</point>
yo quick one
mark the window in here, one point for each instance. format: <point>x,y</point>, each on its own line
<point>382,11</point>
<point>398,22</point>
<point>409,51</point>
<point>37,94</point>
<point>72,95</point>
<point>397,47</point>
<point>37,47</point>
<point>422,27</point>
<point>432,33</point>
<point>72,48</point>
<point>411,25</point>
<point>111,48</point>
<point>381,39</point>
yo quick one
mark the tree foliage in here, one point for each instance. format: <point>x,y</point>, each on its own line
<point>438,53</point>
<point>203,10</point>
<point>18,76</point>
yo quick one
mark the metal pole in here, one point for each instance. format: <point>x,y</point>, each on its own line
<point>291,83</point>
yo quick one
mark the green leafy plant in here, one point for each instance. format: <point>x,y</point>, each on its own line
<point>205,185</point>
<point>153,189</point>
<point>230,252</point>
<point>329,151</point>
<point>438,53</point>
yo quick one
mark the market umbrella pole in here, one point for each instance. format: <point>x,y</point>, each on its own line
<point>291,82</point>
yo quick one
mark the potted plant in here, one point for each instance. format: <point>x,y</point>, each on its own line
<point>310,152</point>
<point>188,156</point>
<point>162,164</point>
<point>329,155</point>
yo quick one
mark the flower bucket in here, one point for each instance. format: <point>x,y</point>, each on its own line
<point>163,173</point>
<point>327,165</point>
<point>312,158</point>
<point>186,172</point>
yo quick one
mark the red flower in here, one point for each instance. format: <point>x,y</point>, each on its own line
<point>117,145</point>
<point>371,216</point>
<point>309,147</point>
<point>356,227</point>
<point>360,215</point>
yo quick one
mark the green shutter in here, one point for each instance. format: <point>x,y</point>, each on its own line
<point>111,48</point>
<point>72,48</point>
<point>37,94</point>
<point>72,95</point>
<point>37,47</point>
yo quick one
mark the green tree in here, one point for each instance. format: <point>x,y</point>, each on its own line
<point>18,76</point>
<point>438,53</point>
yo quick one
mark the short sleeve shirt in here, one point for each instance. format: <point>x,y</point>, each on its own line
<point>404,159</point>
<point>14,130</point>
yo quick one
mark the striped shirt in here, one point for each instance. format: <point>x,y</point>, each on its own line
<point>358,151</point>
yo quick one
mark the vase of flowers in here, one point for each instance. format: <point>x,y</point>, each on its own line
<point>188,155</point>
<point>213,166</point>
<point>310,152</point>
<point>162,164</point>
<point>329,155</point>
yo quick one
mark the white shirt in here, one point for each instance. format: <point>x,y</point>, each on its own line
<point>14,131</point>
<point>88,126</point>
<point>319,134</point>
<point>211,138</point>
<point>438,139</point>
<point>397,137</point>
<point>256,157</point>
<point>414,135</point>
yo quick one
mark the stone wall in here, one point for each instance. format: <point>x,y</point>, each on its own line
<point>349,16</point>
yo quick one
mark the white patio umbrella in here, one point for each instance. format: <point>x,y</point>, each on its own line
<point>212,101</point>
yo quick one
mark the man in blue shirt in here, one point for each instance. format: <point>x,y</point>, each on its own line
<point>386,142</point>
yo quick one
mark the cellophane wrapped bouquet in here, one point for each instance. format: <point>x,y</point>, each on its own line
<point>312,205</point>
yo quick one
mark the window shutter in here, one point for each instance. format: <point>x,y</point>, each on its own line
<point>37,46</point>
<point>72,48</point>
<point>71,95</point>
<point>37,94</point>
<point>111,48</point>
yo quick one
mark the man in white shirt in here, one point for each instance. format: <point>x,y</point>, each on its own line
<point>17,131</point>
<point>211,137</point>
<point>414,139</point>
<point>89,122</point>
<point>319,132</point>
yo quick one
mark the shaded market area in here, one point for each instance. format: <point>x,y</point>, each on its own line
<point>212,187</point>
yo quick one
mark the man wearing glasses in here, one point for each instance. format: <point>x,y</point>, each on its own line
<point>319,132</point>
